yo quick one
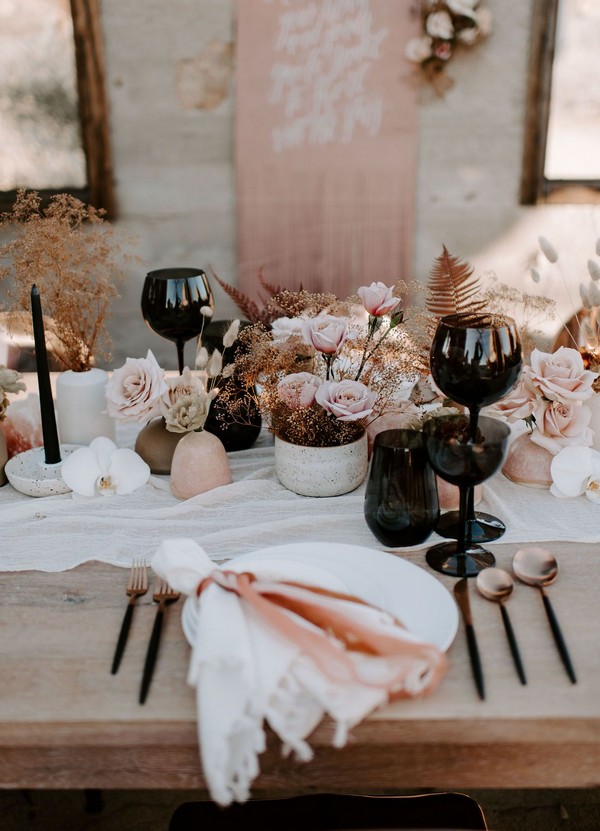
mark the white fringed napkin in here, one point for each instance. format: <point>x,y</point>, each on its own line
<point>287,654</point>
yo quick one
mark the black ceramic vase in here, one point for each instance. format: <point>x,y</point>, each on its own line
<point>233,435</point>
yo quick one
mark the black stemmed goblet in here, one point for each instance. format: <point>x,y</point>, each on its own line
<point>466,460</point>
<point>475,360</point>
<point>172,303</point>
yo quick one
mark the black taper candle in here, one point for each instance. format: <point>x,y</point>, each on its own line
<point>49,431</point>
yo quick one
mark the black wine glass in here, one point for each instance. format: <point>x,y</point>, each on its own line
<point>464,459</point>
<point>172,303</point>
<point>401,501</point>
<point>475,360</point>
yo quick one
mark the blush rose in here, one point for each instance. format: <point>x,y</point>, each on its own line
<point>298,390</point>
<point>346,400</point>
<point>326,333</point>
<point>378,299</point>
<point>561,425</point>
<point>134,391</point>
<point>561,375</point>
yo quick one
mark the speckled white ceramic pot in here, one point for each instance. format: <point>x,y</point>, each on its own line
<point>321,471</point>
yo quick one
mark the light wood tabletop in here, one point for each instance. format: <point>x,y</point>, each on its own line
<point>66,722</point>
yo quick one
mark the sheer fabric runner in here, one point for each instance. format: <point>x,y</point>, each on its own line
<point>59,532</point>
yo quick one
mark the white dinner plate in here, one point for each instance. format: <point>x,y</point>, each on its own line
<point>410,593</point>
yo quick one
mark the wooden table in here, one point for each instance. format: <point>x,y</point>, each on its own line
<point>65,722</point>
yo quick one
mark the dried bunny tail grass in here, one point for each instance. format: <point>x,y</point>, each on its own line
<point>548,250</point>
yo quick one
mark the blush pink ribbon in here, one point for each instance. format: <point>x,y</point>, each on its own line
<point>341,633</point>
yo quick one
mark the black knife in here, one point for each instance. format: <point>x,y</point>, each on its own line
<point>461,592</point>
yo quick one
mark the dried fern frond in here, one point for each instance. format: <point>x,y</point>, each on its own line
<point>248,307</point>
<point>452,287</point>
<point>271,288</point>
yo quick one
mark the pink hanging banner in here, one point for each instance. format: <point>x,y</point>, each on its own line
<point>326,131</point>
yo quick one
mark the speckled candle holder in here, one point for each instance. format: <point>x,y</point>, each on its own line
<point>29,473</point>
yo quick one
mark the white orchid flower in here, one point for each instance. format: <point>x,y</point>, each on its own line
<point>575,470</point>
<point>103,469</point>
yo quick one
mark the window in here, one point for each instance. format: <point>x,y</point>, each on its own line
<point>53,110</point>
<point>561,161</point>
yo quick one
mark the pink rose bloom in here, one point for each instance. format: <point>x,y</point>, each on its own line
<point>562,425</point>
<point>134,391</point>
<point>561,376</point>
<point>520,403</point>
<point>378,299</point>
<point>326,333</point>
<point>298,390</point>
<point>346,400</point>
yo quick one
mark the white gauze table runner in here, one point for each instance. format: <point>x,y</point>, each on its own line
<point>255,511</point>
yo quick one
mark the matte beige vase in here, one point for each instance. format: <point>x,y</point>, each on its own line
<point>200,463</point>
<point>156,445</point>
<point>528,464</point>
<point>321,471</point>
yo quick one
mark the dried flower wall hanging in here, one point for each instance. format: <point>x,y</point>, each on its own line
<point>447,26</point>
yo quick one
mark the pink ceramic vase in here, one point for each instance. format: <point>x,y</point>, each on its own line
<point>199,464</point>
<point>527,463</point>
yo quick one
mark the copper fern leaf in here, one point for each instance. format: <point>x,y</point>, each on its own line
<point>245,304</point>
<point>452,287</point>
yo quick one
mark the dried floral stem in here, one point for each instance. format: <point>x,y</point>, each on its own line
<point>71,253</point>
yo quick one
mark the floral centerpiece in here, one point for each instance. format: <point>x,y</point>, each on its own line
<point>447,26</point>
<point>324,368</point>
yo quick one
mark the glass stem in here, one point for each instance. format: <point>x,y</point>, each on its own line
<point>180,345</point>
<point>470,505</point>
<point>473,421</point>
<point>463,526</point>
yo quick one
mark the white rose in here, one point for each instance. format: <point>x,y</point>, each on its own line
<point>286,327</point>
<point>418,49</point>
<point>439,25</point>
<point>463,7</point>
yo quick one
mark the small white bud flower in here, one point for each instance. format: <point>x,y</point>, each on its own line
<point>228,371</point>
<point>548,249</point>
<point>206,311</point>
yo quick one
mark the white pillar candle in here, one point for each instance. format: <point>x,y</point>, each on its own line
<point>81,407</point>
